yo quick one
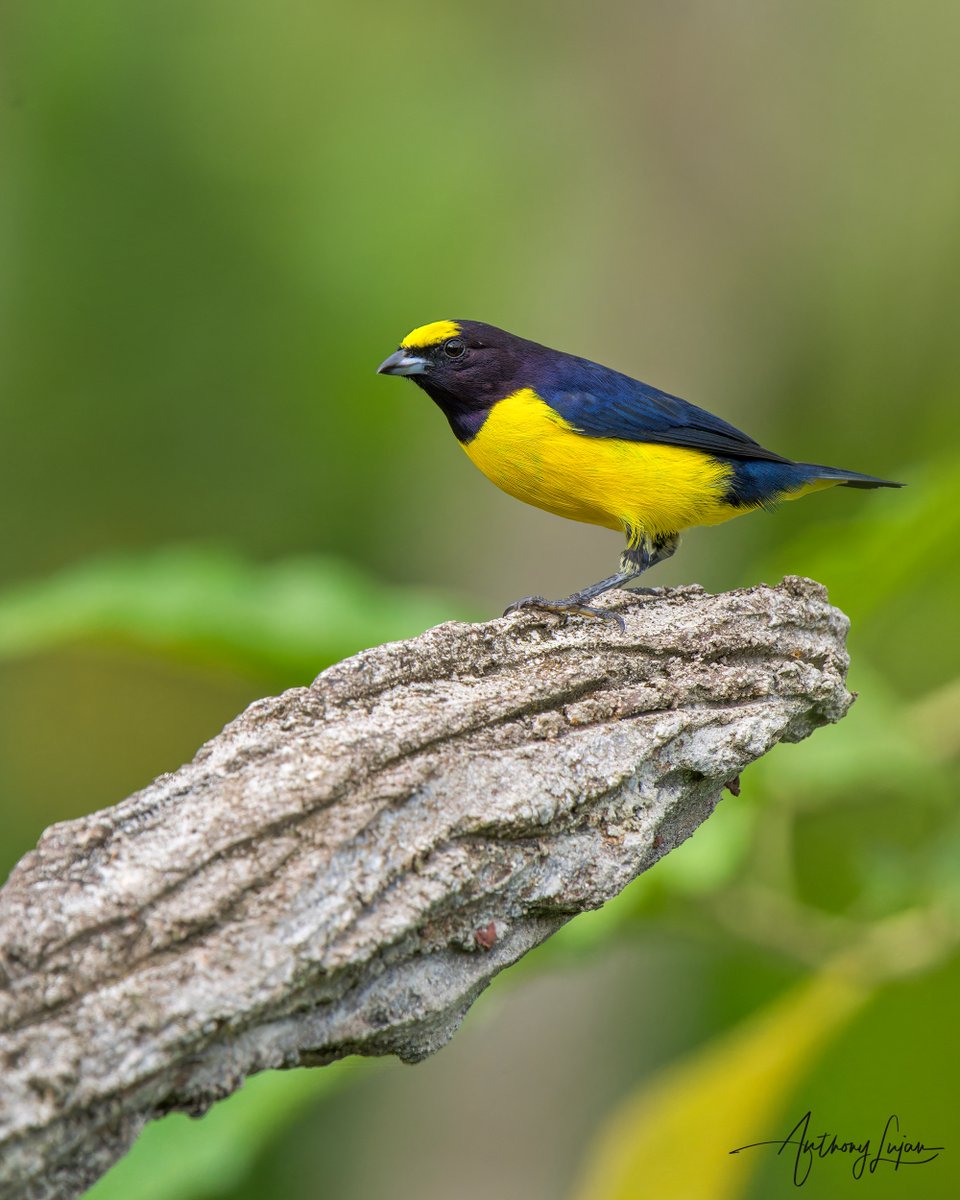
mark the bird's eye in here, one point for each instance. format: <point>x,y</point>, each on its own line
<point>454,348</point>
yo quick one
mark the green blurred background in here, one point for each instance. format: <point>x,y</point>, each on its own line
<point>215,220</point>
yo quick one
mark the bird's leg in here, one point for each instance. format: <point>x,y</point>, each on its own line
<point>642,552</point>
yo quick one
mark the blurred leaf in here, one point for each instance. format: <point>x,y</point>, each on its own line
<point>875,748</point>
<point>293,616</point>
<point>178,1157</point>
<point>890,547</point>
<point>673,1137</point>
<point>713,855</point>
<point>935,720</point>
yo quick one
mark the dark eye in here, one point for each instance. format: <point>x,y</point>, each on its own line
<point>454,348</point>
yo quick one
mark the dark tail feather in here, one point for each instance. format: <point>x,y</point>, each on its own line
<point>849,478</point>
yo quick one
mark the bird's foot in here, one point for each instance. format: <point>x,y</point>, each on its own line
<point>570,606</point>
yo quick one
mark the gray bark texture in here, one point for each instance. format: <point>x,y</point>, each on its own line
<point>346,866</point>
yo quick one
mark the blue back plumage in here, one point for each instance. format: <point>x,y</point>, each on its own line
<point>600,402</point>
<point>603,403</point>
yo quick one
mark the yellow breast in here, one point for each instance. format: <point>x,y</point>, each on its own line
<point>531,452</point>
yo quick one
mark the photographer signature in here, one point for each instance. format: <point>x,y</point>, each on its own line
<point>891,1149</point>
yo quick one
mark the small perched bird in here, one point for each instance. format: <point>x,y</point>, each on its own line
<point>586,442</point>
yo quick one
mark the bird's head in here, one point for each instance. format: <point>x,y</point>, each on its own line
<point>465,366</point>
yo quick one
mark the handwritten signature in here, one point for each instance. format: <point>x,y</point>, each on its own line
<point>892,1149</point>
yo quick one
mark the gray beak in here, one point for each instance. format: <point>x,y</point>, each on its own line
<point>401,362</point>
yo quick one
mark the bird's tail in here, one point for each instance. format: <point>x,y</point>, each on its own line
<point>846,478</point>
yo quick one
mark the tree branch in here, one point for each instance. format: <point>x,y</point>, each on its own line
<point>346,866</point>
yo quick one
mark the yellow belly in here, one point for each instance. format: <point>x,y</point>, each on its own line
<point>531,452</point>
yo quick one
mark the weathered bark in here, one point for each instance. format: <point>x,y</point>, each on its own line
<point>346,866</point>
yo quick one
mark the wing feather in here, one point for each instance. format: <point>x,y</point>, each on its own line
<point>603,403</point>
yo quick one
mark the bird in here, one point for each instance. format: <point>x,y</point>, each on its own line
<point>586,442</point>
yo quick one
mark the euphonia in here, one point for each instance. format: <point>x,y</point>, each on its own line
<point>586,442</point>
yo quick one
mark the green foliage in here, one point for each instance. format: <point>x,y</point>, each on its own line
<point>286,619</point>
<point>674,1136</point>
<point>177,1158</point>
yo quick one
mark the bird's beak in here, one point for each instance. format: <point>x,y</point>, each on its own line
<point>402,363</point>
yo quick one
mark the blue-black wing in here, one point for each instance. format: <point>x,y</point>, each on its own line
<point>603,403</point>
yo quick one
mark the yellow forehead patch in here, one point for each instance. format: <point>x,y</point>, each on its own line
<point>430,335</point>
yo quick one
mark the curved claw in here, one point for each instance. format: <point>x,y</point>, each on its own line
<point>529,602</point>
<point>566,608</point>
